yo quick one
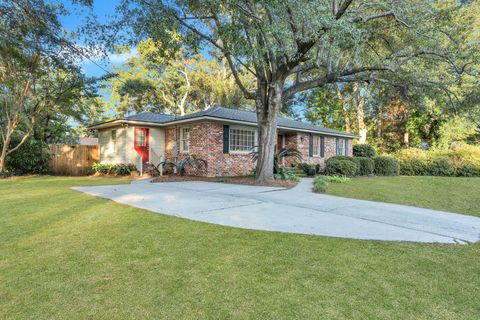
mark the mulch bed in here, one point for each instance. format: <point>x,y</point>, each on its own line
<point>234,180</point>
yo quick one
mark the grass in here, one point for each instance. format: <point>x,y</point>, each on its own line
<point>455,194</point>
<point>64,255</point>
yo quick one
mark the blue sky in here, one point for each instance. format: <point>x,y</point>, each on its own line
<point>102,9</point>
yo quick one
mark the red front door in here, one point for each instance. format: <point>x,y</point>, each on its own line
<point>141,137</point>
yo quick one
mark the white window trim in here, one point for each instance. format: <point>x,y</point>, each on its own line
<point>255,139</point>
<point>182,149</point>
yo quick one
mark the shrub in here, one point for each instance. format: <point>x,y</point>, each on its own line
<point>340,167</point>
<point>285,174</point>
<point>184,165</point>
<point>339,158</point>
<point>31,157</point>
<point>115,169</point>
<point>320,184</point>
<point>364,150</point>
<point>440,167</point>
<point>386,166</point>
<point>468,170</point>
<point>413,167</point>
<point>366,166</point>
<point>338,179</point>
<point>309,169</point>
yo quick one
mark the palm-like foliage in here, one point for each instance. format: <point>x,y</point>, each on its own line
<point>282,153</point>
<point>181,165</point>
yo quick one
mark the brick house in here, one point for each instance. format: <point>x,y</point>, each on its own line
<point>221,136</point>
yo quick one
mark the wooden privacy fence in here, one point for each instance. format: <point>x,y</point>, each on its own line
<point>72,160</point>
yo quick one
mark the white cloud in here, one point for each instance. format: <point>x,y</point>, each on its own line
<point>97,54</point>
<point>122,57</point>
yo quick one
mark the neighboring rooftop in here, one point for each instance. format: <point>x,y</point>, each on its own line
<point>228,114</point>
<point>87,141</point>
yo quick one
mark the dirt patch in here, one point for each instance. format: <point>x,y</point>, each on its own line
<point>234,180</point>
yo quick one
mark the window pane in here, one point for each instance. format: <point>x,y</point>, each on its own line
<point>242,140</point>
<point>140,138</point>
<point>185,140</point>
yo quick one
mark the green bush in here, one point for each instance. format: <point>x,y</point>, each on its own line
<point>341,167</point>
<point>285,174</point>
<point>467,170</point>
<point>339,158</point>
<point>441,167</point>
<point>386,166</point>
<point>437,167</point>
<point>338,179</point>
<point>320,184</point>
<point>364,150</point>
<point>31,158</point>
<point>366,166</point>
<point>115,169</point>
<point>413,167</point>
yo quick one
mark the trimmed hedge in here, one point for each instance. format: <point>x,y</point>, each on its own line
<point>364,150</point>
<point>366,166</point>
<point>115,169</point>
<point>437,167</point>
<point>386,166</point>
<point>341,167</point>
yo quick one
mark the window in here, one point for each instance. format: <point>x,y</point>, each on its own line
<point>341,150</point>
<point>140,138</point>
<point>114,140</point>
<point>185,140</point>
<point>316,146</point>
<point>242,140</point>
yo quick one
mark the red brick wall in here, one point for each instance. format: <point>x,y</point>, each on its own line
<point>300,141</point>
<point>206,142</point>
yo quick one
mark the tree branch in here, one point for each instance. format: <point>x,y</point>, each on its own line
<point>330,78</point>
<point>343,7</point>
<point>390,14</point>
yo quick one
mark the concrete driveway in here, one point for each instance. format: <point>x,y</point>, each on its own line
<point>297,210</point>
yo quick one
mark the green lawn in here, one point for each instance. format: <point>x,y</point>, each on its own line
<point>66,255</point>
<point>460,195</point>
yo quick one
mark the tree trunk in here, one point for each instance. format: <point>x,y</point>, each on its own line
<point>344,108</point>
<point>6,143</point>
<point>359,104</point>
<point>268,104</point>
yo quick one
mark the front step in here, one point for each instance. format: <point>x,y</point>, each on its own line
<point>297,171</point>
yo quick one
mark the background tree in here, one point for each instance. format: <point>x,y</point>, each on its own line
<point>36,56</point>
<point>161,80</point>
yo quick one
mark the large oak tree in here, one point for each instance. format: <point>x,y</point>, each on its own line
<point>290,46</point>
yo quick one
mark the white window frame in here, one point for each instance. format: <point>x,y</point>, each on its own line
<point>230,136</point>
<point>185,142</point>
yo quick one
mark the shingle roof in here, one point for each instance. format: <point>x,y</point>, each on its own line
<point>246,116</point>
<point>233,115</point>
<point>150,117</point>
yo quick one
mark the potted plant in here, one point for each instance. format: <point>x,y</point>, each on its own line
<point>309,169</point>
